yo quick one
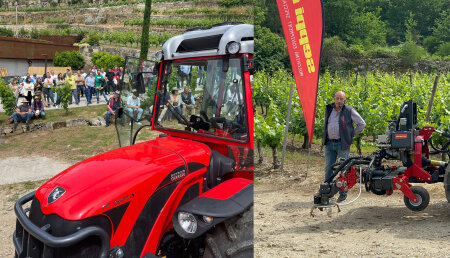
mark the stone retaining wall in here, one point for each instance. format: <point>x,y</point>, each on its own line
<point>44,126</point>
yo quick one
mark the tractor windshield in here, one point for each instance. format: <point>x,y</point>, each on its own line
<point>137,93</point>
<point>203,96</point>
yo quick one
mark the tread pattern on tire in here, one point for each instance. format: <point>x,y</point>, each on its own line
<point>232,238</point>
<point>425,199</point>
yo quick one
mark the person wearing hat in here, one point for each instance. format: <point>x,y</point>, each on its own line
<point>22,113</point>
<point>113,106</point>
<point>134,107</point>
<point>38,107</point>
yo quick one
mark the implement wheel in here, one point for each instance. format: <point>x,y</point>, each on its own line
<point>232,238</point>
<point>447,183</point>
<point>422,196</point>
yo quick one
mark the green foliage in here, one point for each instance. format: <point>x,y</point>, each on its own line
<point>270,50</point>
<point>97,56</point>
<point>183,22</point>
<point>367,30</point>
<point>377,98</point>
<point>23,31</point>
<point>444,49</point>
<point>431,43</point>
<point>6,32</point>
<point>66,95</point>
<point>7,97</point>
<point>75,4</point>
<point>145,30</point>
<point>55,20</point>
<point>34,33</point>
<point>441,28</point>
<point>193,82</point>
<point>410,53</point>
<point>106,61</point>
<point>109,61</point>
<point>69,58</point>
<point>230,3</point>
<point>93,39</point>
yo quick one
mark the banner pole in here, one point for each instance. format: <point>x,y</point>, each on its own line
<point>286,130</point>
<point>307,163</point>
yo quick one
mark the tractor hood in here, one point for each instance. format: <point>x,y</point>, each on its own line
<point>110,179</point>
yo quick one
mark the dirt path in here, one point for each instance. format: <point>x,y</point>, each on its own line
<point>375,226</point>
<point>20,169</point>
<point>12,171</point>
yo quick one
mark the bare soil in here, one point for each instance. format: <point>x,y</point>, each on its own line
<point>373,226</point>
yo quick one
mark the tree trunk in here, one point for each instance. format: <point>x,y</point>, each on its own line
<point>276,161</point>
<point>145,30</point>
<point>411,78</point>
<point>305,144</point>
<point>260,156</point>
<point>358,146</point>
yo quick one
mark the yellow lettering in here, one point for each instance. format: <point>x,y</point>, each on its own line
<point>303,37</point>
<point>300,23</point>
<point>299,11</point>
<point>307,51</point>
<point>295,1</point>
<point>310,65</point>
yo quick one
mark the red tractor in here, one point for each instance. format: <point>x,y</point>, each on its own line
<point>402,142</point>
<point>187,193</point>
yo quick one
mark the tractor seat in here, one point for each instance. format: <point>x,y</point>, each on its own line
<point>219,165</point>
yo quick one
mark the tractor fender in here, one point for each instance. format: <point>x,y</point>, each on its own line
<point>222,202</point>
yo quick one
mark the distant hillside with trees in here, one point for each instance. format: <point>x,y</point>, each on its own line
<point>410,30</point>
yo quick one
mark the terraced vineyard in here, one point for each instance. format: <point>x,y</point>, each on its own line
<point>120,23</point>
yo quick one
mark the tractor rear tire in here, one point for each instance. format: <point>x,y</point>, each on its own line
<point>422,196</point>
<point>232,238</point>
<point>447,183</point>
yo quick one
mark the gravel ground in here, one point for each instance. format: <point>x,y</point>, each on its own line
<point>18,169</point>
<point>373,226</point>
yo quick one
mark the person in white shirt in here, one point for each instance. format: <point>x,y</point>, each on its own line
<point>134,107</point>
<point>28,89</point>
<point>48,92</point>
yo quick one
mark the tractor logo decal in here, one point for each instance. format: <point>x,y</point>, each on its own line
<point>177,175</point>
<point>401,136</point>
<point>55,194</point>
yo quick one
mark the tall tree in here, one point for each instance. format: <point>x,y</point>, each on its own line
<point>145,29</point>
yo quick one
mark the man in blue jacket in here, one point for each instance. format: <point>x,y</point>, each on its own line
<point>338,133</point>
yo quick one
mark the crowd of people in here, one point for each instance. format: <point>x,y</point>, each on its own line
<point>93,82</point>
<point>35,93</point>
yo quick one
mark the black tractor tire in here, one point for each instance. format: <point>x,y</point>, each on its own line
<point>422,196</point>
<point>447,183</point>
<point>232,238</point>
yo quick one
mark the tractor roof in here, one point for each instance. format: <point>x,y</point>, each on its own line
<point>212,41</point>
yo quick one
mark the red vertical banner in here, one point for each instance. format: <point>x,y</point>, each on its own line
<point>302,22</point>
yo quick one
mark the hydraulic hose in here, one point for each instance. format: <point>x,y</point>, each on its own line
<point>360,190</point>
<point>364,160</point>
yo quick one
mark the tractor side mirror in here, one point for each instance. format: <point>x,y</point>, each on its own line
<point>156,68</point>
<point>248,65</point>
<point>225,64</point>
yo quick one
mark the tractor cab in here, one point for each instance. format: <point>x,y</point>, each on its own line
<point>198,88</point>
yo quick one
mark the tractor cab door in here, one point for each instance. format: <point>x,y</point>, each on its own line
<point>137,91</point>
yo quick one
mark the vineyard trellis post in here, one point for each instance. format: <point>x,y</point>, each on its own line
<point>433,92</point>
<point>286,130</point>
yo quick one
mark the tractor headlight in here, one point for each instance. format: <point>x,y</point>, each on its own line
<point>233,47</point>
<point>159,56</point>
<point>187,222</point>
